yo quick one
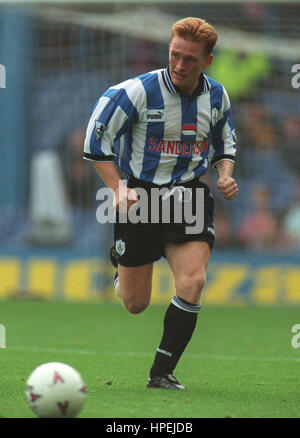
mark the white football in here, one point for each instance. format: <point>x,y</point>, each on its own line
<point>55,390</point>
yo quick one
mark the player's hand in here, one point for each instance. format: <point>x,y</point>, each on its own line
<point>124,198</point>
<point>228,187</point>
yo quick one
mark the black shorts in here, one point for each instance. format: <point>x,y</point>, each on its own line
<point>141,243</point>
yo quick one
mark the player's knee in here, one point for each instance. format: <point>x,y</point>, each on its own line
<point>200,281</point>
<point>135,300</point>
<point>191,285</point>
<point>134,307</point>
<point>135,303</point>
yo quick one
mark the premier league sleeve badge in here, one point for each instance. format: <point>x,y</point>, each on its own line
<point>99,129</point>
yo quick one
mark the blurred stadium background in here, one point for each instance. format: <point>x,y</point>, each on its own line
<point>57,58</point>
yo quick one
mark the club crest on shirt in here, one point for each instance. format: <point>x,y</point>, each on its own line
<point>120,247</point>
<point>214,116</point>
<point>99,129</point>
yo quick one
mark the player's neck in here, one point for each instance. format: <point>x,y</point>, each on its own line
<point>189,90</point>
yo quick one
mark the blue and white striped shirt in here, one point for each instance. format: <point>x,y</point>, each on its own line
<point>159,135</point>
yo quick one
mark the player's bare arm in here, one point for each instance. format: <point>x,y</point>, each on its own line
<point>226,183</point>
<point>123,196</point>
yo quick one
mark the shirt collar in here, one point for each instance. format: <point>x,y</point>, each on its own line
<point>202,87</point>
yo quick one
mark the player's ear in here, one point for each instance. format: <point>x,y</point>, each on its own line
<point>208,60</point>
<point>169,51</point>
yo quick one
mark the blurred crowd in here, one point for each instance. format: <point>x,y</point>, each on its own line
<point>266,213</point>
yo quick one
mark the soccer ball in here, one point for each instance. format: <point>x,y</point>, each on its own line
<point>55,390</point>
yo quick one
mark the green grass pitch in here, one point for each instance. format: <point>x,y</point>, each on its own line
<point>239,363</point>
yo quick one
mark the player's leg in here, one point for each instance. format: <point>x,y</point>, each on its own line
<point>135,284</point>
<point>133,254</point>
<point>137,245</point>
<point>134,259</point>
<point>188,262</point>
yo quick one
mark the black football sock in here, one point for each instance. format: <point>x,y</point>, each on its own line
<point>179,324</point>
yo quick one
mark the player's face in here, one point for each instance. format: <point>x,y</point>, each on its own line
<point>187,59</point>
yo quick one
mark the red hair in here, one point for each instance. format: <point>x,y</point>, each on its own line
<point>196,29</point>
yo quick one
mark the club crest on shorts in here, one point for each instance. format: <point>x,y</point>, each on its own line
<point>120,247</point>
